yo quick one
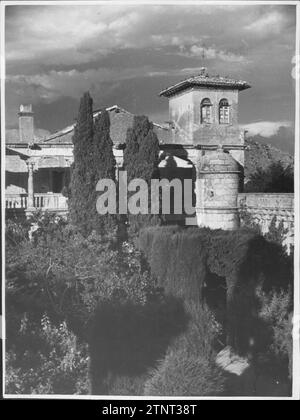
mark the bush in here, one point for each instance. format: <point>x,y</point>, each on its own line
<point>188,368</point>
<point>276,311</point>
<point>46,359</point>
<point>128,338</point>
<point>66,275</point>
<point>276,233</point>
<point>276,178</point>
<point>16,231</point>
<point>183,260</point>
<point>180,258</point>
<point>182,375</point>
<point>125,385</point>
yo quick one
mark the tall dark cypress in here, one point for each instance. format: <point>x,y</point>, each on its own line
<point>141,158</point>
<point>81,185</point>
<point>103,166</point>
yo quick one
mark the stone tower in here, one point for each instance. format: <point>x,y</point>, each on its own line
<point>218,186</point>
<point>203,112</point>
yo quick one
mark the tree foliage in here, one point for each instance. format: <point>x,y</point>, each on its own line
<point>141,158</point>
<point>275,179</point>
<point>276,311</point>
<point>82,187</point>
<point>189,365</point>
<point>103,167</point>
<point>45,358</point>
<point>67,276</point>
<point>183,260</point>
<point>64,290</point>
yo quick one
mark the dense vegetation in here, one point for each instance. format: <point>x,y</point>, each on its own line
<point>242,276</point>
<point>274,179</point>
<point>85,316</point>
<point>63,277</point>
<point>260,157</point>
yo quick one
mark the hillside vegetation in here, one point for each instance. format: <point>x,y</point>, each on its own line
<point>260,156</point>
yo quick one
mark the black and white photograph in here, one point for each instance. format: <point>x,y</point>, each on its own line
<point>150,201</point>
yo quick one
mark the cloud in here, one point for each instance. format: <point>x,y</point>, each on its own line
<point>76,34</point>
<point>210,53</point>
<point>72,83</point>
<point>265,128</point>
<point>269,23</point>
<point>125,54</point>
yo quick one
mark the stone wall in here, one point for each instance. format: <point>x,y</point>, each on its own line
<point>262,207</point>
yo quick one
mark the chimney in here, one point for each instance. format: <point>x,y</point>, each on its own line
<point>26,127</point>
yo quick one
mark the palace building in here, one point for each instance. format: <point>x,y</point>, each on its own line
<point>202,139</point>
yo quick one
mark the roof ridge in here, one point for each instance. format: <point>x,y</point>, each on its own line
<point>204,80</point>
<point>70,128</point>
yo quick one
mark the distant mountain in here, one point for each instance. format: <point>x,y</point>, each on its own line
<point>260,154</point>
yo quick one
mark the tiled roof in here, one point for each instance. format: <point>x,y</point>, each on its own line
<point>65,135</point>
<point>204,80</point>
<point>120,121</point>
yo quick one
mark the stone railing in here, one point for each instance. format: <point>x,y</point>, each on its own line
<point>15,201</point>
<point>50,201</point>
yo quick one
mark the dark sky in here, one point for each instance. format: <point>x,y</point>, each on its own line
<point>125,54</point>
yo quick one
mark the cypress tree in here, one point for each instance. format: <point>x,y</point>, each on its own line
<point>141,158</point>
<point>142,150</point>
<point>81,186</point>
<point>103,166</point>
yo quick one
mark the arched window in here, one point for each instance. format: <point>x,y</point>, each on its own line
<point>224,111</point>
<point>206,111</point>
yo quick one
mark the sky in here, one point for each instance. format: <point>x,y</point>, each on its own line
<point>126,54</point>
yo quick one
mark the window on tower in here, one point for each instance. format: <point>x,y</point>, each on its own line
<point>224,112</point>
<point>206,115</point>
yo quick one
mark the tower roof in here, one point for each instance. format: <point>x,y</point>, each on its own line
<point>205,80</point>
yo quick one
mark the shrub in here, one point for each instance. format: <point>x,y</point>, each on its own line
<point>128,338</point>
<point>188,368</point>
<point>276,178</point>
<point>16,231</point>
<point>66,274</point>
<point>182,259</point>
<point>46,359</point>
<point>126,385</point>
<point>182,375</point>
<point>179,258</point>
<point>276,313</point>
<point>277,232</point>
